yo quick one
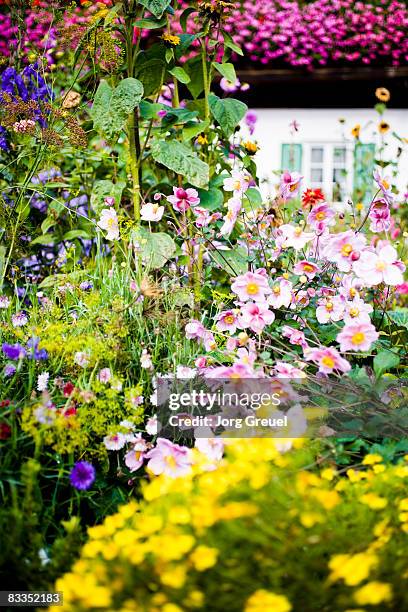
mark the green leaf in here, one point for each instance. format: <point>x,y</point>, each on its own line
<point>156,248</point>
<point>228,112</point>
<point>228,42</point>
<point>150,24</point>
<point>111,16</point>
<point>45,239</point>
<point>254,197</point>
<point>180,74</point>
<point>385,361</point>
<point>212,198</point>
<point>190,131</point>
<point>181,159</point>
<point>399,317</point>
<point>112,107</point>
<point>150,74</point>
<point>232,261</point>
<point>47,223</point>
<point>149,110</point>
<point>178,116</point>
<point>226,70</point>
<point>106,189</point>
<point>195,71</point>
<point>71,235</point>
<point>156,7</point>
<point>184,16</point>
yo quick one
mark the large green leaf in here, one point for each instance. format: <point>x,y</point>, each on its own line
<point>181,159</point>
<point>233,261</point>
<point>399,317</point>
<point>112,107</point>
<point>156,7</point>
<point>226,70</point>
<point>194,70</point>
<point>150,73</point>
<point>156,248</point>
<point>180,74</point>
<point>228,112</point>
<point>106,189</point>
<point>385,361</point>
<point>213,198</point>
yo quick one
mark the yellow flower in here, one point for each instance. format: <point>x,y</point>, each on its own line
<point>355,132</point>
<point>170,40</point>
<point>359,206</point>
<point>202,139</point>
<point>308,519</point>
<point>250,147</point>
<point>174,576</point>
<point>378,468</point>
<point>328,474</point>
<point>204,557</point>
<point>353,569</point>
<point>373,501</point>
<point>263,600</point>
<point>373,593</point>
<point>372,458</point>
<point>403,505</point>
<point>382,94</point>
<point>328,499</point>
<point>383,127</point>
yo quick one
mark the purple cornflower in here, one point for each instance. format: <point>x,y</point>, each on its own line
<point>9,370</point>
<point>82,475</point>
<point>13,351</point>
<point>86,285</point>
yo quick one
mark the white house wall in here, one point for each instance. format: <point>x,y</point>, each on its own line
<point>322,126</point>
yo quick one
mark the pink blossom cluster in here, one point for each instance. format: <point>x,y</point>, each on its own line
<point>319,33</point>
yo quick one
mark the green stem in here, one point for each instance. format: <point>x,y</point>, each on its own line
<point>205,79</point>
<point>133,128</point>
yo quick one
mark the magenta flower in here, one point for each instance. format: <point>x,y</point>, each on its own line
<point>295,336</point>
<point>289,185</point>
<point>384,183</point>
<point>308,268</point>
<point>344,249</point>
<point>281,294</point>
<point>381,267</point>
<point>227,321</point>
<point>328,359</point>
<point>255,316</point>
<point>321,216</point>
<point>357,311</point>
<point>330,309</point>
<point>183,199</point>
<point>168,458</point>
<point>380,216</point>
<point>357,337</point>
<point>195,330</point>
<point>251,286</point>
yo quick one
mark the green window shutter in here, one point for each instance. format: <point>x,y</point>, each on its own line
<point>291,157</point>
<point>364,162</point>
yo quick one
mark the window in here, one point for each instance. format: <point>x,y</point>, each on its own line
<point>329,166</point>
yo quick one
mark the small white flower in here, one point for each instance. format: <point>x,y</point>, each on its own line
<point>109,222</point>
<point>114,442</point>
<point>145,360</point>
<point>81,358</point>
<point>185,372</point>
<point>42,381</point>
<point>19,319</point>
<point>4,301</point>
<point>153,426</point>
<point>105,375</point>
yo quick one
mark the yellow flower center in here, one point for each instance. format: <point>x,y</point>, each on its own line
<point>111,222</point>
<point>252,288</point>
<point>293,187</point>
<point>346,249</point>
<point>358,338</point>
<point>298,231</point>
<point>380,266</point>
<point>237,185</point>
<point>276,290</point>
<point>352,292</point>
<point>320,216</point>
<point>385,184</point>
<point>354,312</point>
<point>229,319</point>
<point>328,361</point>
<point>308,268</point>
<point>171,462</point>
<point>329,306</point>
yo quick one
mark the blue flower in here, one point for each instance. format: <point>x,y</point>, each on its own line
<point>36,353</point>
<point>13,351</point>
<point>82,475</point>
